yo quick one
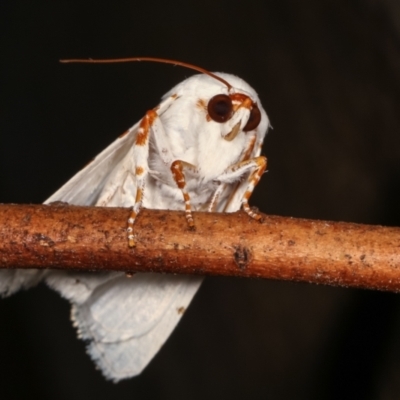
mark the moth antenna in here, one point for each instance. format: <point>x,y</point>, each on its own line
<point>152,59</point>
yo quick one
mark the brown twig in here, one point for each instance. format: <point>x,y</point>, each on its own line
<point>94,238</point>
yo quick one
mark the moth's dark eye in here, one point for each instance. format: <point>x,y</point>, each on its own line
<point>254,119</point>
<point>220,108</point>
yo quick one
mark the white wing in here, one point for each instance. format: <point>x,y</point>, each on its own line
<point>82,189</point>
<point>128,320</point>
<point>12,280</point>
<point>85,187</point>
<point>125,320</point>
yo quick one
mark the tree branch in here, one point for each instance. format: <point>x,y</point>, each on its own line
<point>94,239</point>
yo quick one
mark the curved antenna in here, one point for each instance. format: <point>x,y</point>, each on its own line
<point>152,59</point>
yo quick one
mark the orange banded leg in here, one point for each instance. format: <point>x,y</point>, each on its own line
<point>149,125</point>
<point>253,180</point>
<point>177,168</point>
<point>141,170</point>
<point>255,167</point>
<point>132,217</point>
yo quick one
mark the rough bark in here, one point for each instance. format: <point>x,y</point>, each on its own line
<point>93,238</point>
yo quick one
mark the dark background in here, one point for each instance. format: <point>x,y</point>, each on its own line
<point>328,74</point>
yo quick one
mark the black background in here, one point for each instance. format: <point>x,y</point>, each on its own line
<point>328,74</point>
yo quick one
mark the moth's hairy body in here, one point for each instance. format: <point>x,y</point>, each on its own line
<point>178,157</point>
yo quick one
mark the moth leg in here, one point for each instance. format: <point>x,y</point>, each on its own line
<point>149,123</point>
<point>253,180</point>
<point>256,167</point>
<point>248,152</point>
<point>177,169</point>
<point>141,169</point>
<point>214,200</point>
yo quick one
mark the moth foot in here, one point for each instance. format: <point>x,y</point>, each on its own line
<point>253,213</point>
<point>190,222</point>
<point>131,241</point>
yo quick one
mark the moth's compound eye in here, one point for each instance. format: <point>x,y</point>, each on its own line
<point>220,108</point>
<point>254,119</point>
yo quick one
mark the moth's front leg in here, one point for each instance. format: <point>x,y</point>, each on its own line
<point>178,169</point>
<point>255,167</point>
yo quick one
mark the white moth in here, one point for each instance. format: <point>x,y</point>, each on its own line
<point>199,149</point>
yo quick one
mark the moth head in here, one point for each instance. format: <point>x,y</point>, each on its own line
<point>229,110</point>
<point>236,112</point>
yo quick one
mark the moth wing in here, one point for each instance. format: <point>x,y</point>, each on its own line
<point>12,280</point>
<point>107,181</point>
<point>127,320</point>
<point>84,188</point>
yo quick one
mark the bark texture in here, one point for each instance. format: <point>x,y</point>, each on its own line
<point>93,238</point>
